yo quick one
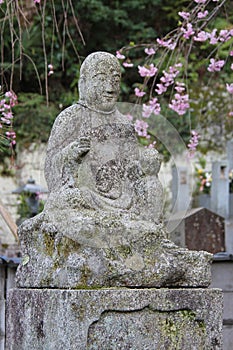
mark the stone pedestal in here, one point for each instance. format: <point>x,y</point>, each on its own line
<point>104,319</point>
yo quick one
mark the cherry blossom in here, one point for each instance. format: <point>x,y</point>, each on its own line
<point>147,110</point>
<point>201,15</point>
<point>153,107</point>
<point>169,44</point>
<point>141,128</point>
<point>200,1</point>
<point>193,143</point>
<point>160,89</point>
<point>138,92</point>
<point>6,116</point>
<point>127,64</point>
<point>184,15</point>
<point>11,135</point>
<point>180,104</point>
<point>119,55</point>
<point>229,88</point>
<point>215,66</point>
<point>180,87</point>
<point>12,98</point>
<point>188,31</point>
<point>147,72</point>
<point>202,36</point>
<point>213,38</point>
<point>150,51</point>
<point>225,35</point>
<point>195,26</point>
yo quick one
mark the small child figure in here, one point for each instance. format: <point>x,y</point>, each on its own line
<point>152,194</point>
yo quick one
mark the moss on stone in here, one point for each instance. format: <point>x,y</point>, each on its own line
<point>48,244</point>
<point>66,247</point>
<point>124,250</point>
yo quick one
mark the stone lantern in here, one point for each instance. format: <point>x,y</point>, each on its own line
<point>30,192</point>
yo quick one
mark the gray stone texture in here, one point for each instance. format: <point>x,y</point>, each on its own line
<point>102,223</point>
<point>102,227</point>
<point>222,277</point>
<point>137,319</point>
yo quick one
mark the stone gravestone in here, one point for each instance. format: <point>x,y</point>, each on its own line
<point>180,189</point>
<point>199,229</point>
<point>220,188</point>
<point>98,270</point>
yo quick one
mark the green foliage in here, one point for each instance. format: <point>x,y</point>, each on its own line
<point>33,118</point>
<point>105,25</point>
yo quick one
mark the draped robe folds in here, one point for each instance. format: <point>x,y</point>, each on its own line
<point>109,175</point>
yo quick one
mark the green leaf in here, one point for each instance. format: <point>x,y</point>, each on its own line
<point>25,260</point>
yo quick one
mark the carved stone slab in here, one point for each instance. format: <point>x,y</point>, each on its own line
<point>148,319</point>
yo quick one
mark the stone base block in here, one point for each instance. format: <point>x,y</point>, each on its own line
<point>108,319</point>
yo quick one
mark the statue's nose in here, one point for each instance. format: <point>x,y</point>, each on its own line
<point>109,87</point>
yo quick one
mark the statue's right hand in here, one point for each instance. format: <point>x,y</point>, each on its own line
<point>79,147</point>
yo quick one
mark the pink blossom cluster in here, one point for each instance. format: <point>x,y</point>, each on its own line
<point>152,107</point>
<point>223,36</point>
<point>11,136</point>
<point>120,56</point>
<point>167,43</point>
<point>147,72</point>
<point>141,128</point>
<point>168,78</point>
<point>215,66</point>
<point>37,1</point>
<point>188,31</point>
<point>203,14</point>
<point>193,143</point>
<point>184,15</point>
<point>150,51</point>
<point>180,102</point>
<point>138,92</point>
<point>6,103</point>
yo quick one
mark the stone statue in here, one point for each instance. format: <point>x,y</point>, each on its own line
<point>102,223</point>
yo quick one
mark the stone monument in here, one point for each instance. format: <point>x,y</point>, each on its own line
<point>102,227</point>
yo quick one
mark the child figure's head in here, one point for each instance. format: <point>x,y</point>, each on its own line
<point>150,161</point>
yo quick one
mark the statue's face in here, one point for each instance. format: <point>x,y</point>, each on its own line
<point>103,87</point>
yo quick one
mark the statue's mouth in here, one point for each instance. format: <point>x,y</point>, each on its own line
<point>110,95</point>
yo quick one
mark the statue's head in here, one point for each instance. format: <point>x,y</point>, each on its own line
<point>150,160</point>
<point>99,82</point>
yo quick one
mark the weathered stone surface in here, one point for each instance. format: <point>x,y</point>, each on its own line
<point>131,253</point>
<point>106,319</point>
<point>102,223</point>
